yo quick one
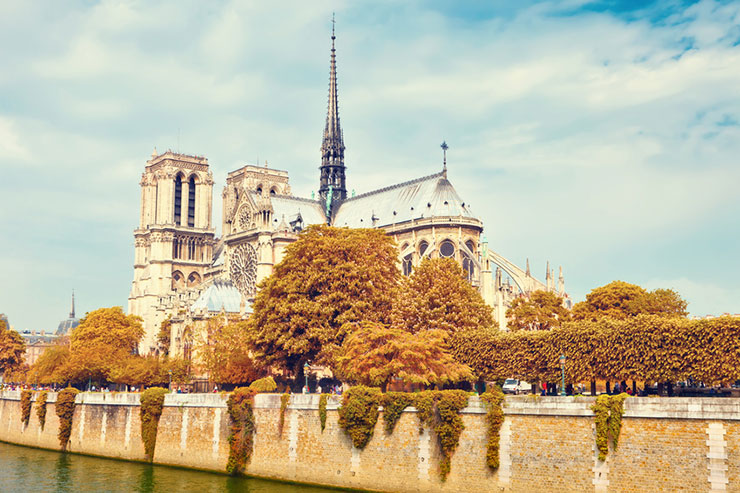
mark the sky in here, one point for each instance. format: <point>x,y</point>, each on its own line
<point>600,136</point>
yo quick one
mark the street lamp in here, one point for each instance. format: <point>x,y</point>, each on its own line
<point>305,374</point>
<point>562,374</point>
<point>170,372</point>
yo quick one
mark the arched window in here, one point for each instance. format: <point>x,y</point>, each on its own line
<point>468,267</point>
<point>273,192</point>
<point>423,247</point>
<point>193,279</point>
<point>447,249</point>
<point>406,265</point>
<point>470,245</point>
<point>191,202</point>
<point>178,280</point>
<point>259,189</point>
<point>178,198</point>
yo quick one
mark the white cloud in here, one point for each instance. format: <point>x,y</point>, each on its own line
<point>10,142</point>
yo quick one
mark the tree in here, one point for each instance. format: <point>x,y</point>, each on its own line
<point>12,348</point>
<point>621,300</point>
<point>46,370</point>
<point>438,296</point>
<point>163,336</point>
<point>109,327</point>
<point>375,353</point>
<point>543,310</point>
<point>328,277</point>
<point>223,351</point>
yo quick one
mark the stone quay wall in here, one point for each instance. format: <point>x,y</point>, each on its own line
<point>546,443</point>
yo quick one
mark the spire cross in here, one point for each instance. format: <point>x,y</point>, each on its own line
<point>444,147</point>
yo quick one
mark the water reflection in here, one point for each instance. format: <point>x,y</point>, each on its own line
<point>28,469</point>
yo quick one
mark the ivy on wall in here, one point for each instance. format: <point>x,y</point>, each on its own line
<point>41,407</point>
<point>358,414</point>
<point>393,405</point>
<point>322,410</point>
<point>493,398</point>
<point>26,406</point>
<point>608,411</point>
<point>284,401</point>
<point>152,402</point>
<point>65,410</point>
<point>241,441</point>
<point>449,425</point>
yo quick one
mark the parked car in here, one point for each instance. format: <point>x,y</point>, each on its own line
<point>515,386</point>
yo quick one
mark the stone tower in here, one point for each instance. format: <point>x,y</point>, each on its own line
<point>174,240</point>
<point>333,187</point>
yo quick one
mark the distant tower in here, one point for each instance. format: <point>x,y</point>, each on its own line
<point>72,311</point>
<point>174,241</point>
<point>333,188</point>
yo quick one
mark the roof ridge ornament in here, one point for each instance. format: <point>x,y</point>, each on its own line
<point>444,147</point>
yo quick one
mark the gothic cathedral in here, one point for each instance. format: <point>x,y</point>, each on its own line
<point>183,273</point>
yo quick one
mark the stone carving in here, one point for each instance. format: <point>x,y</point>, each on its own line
<point>244,218</point>
<point>243,269</point>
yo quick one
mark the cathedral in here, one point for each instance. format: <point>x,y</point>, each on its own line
<point>184,273</point>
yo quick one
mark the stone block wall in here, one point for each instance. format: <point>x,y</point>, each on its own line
<point>546,443</point>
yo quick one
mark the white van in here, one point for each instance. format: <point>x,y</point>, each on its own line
<point>514,386</point>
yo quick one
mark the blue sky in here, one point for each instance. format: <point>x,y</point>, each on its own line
<point>601,136</point>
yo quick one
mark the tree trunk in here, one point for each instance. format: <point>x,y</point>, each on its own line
<point>593,387</point>
<point>634,387</point>
<point>608,388</point>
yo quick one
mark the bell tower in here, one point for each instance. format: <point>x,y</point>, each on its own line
<point>333,187</point>
<point>173,245</point>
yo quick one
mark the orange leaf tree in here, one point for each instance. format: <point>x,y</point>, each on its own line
<point>328,277</point>
<point>438,296</point>
<point>12,348</point>
<point>373,354</point>
<point>542,310</point>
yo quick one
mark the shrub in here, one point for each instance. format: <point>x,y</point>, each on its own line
<point>26,406</point>
<point>65,409</point>
<point>322,410</point>
<point>424,404</point>
<point>263,385</point>
<point>359,414</point>
<point>393,405</point>
<point>152,402</point>
<point>240,405</point>
<point>495,418</point>
<point>41,407</point>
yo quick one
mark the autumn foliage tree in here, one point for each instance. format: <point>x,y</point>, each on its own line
<point>621,300</point>
<point>328,277</point>
<point>223,351</point>
<point>373,354</point>
<point>542,310</point>
<point>12,348</point>
<point>438,296</point>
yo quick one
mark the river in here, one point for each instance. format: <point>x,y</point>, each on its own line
<point>28,469</point>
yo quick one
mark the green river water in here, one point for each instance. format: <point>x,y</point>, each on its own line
<point>28,469</point>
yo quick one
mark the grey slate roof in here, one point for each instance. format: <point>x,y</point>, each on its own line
<point>310,210</point>
<point>65,326</point>
<point>220,294</point>
<point>429,196</point>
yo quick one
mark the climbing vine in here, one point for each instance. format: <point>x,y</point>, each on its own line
<point>284,400</point>
<point>152,402</point>
<point>495,418</point>
<point>608,411</point>
<point>241,441</point>
<point>440,410</point>
<point>450,425</point>
<point>65,409</point>
<point>393,405</point>
<point>41,407</point>
<point>26,406</point>
<point>358,413</point>
<point>322,410</point>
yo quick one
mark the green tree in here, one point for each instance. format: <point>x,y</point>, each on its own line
<point>328,277</point>
<point>543,310</point>
<point>373,354</point>
<point>12,348</point>
<point>438,296</point>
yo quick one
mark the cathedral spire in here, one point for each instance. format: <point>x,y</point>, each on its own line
<point>72,313</point>
<point>332,147</point>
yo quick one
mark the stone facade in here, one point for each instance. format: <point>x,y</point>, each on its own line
<point>546,444</point>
